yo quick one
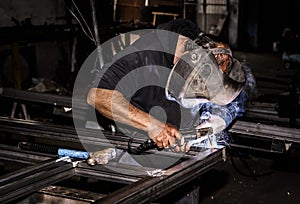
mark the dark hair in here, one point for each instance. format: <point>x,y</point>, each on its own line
<point>183,27</point>
<point>206,40</point>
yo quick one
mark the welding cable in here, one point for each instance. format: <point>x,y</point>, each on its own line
<point>142,148</point>
<point>50,149</point>
<point>83,19</point>
<point>245,163</point>
<point>90,35</point>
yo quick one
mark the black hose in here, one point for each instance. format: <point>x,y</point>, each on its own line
<point>250,173</point>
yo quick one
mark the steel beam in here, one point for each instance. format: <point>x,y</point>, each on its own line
<point>31,96</point>
<point>152,188</point>
<point>113,171</point>
<point>258,130</point>
<point>141,188</point>
<point>30,181</point>
<point>65,133</point>
<point>13,154</point>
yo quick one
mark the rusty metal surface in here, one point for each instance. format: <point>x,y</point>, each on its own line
<point>24,182</point>
<point>259,130</point>
<point>142,188</point>
<point>152,188</point>
<point>31,96</point>
<point>64,133</point>
<point>41,170</point>
<point>59,194</point>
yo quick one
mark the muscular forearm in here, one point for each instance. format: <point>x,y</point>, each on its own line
<point>114,106</point>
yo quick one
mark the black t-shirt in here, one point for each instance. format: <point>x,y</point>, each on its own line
<point>140,73</point>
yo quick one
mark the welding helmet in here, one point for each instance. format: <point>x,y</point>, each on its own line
<point>196,78</point>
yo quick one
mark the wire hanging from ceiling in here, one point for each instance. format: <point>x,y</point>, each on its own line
<point>87,32</point>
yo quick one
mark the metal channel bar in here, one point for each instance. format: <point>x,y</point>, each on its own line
<point>30,96</point>
<point>64,133</point>
<point>69,134</point>
<point>113,171</point>
<point>10,153</point>
<point>64,195</point>
<point>37,179</point>
<point>24,172</point>
<point>152,188</point>
<point>250,129</point>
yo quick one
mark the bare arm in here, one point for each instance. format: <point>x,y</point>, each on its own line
<point>113,105</point>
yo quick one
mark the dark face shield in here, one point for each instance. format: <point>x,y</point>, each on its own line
<point>196,78</point>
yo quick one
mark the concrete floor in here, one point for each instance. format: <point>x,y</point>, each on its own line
<point>277,182</point>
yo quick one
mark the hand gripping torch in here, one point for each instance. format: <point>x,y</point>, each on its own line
<point>202,138</point>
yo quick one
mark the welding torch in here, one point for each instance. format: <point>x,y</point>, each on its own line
<point>187,140</point>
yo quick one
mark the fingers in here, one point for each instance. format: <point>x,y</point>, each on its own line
<point>159,142</point>
<point>172,141</point>
<point>168,136</point>
<point>178,137</point>
<point>181,148</point>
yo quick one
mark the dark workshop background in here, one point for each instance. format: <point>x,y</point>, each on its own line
<point>42,43</point>
<point>46,35</point>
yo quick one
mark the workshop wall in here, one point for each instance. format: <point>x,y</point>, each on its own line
<point>35,37</point>
<point>40,12</point>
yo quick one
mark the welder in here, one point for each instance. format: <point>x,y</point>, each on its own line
<point>174,78</point>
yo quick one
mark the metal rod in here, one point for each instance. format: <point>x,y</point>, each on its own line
<point>115,10</point>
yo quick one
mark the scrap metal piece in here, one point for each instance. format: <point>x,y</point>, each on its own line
<point>156,173</point>
<point>102,156</point>
<point>61,194</point>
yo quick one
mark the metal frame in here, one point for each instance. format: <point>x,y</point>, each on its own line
<point>50,170</point>
<point>271,132</point>
<point>42,170</point>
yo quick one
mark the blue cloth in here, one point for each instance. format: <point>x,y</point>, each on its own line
<point>228,112</point>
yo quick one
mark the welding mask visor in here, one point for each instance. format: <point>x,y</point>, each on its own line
<point>196,78</point>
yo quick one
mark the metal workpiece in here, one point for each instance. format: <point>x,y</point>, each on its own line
<point>43,167</point>
<point>152,188</point>
<point>25,182</point>
<point>63,133</point>
<point>60,194</point>
<point>264,138</point>
<point>36,97</point>
<point>14,154</point>
<point>42,170</point>
<point>259,130</point>
<point>32,178</point>
<point>112,171</point>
